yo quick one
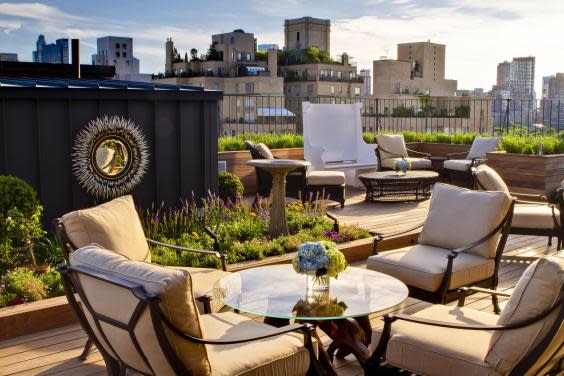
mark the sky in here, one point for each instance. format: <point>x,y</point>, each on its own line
<point>478,34</point>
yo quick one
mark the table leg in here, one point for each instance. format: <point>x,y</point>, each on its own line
<point>349,337</point>
<point>278,224</point>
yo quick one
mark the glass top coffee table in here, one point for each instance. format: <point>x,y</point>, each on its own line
<point>279,294</point>
<point>388,186</point>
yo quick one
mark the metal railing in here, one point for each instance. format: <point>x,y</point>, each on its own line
<point>279,114</point>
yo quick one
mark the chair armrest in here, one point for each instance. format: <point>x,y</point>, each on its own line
<point>485,291</point>
<point>335,221</point>
<point>444,324</point>
<point>529,196</point>
<point>378,238</point>
<point>425,155</point>
<point>478,161</point>
<point>451,155</point>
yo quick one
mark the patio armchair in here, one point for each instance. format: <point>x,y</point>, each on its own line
<point>533,214</point>
<point>526,339</point>
<point>391,148</point>
<point>460,244</point>
<point>143,318</point>
<point>115,225</point>
<point>460,164</point>
<point>300,183</point>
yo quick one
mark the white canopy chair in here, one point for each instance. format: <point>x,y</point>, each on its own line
<point>333,138</point>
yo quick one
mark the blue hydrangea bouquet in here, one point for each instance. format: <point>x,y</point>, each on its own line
<point>401,166</point>
<point>319,261</point>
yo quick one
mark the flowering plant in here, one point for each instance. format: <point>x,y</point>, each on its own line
<point>319,259</point>
<point>402,165</point>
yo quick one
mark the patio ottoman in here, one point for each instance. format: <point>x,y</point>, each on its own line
<point>327,183</point>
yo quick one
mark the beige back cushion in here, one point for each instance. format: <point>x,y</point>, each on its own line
<point>490,180</point>
<point>394,143</point>
<point>458,217</point>
<point>177,303</point>
<point>483,145</point>
<point>264,151</point>
<point>115,225</point>
<point>537,290</point>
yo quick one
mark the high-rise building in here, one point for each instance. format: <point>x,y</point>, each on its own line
<point>522,77</point>
<point>306,32</point>
<point>6,56</point>
<point>420,68</point>
<point>268,46</point>
<point>117,52</point>
<point>57,52</point>
<point>552,105</point>
<point>503,74</point>
<point>367,89</point>
<point>556,87</point>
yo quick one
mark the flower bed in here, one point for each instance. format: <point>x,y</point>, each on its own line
<point>242,231</point>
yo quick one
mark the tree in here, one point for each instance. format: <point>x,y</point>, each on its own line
<point>194,55</point>
<point>186,56</point>
<point>212,53</point>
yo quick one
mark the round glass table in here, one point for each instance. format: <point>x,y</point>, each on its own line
<point>279,294</point>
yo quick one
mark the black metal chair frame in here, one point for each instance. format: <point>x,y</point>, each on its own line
<point>409,151</point>
<point>443,295</point>
<point>373,365</point>
<point>296,183</point>
<point>466,176</point>
<point>68,247</point>
<point>72,285</point>
<point>523,198</point>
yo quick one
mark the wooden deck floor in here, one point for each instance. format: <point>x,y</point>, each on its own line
<point>55,352</point>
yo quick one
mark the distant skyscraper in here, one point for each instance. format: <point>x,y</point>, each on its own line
<point>267,46</point>
<point>503,72</point>
<point>545,86</point>
<point>57,52</point>
<point>117,51</point>
<point>522,77</point>
<point>5,56</point>
<point>367,89</point>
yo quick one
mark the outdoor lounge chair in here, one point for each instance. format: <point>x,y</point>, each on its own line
<point>460,244</point>
<point>533,214</point>
<point>143,318</point>
<point>300,183</point>
<point>391,148</point>
<point>456,167</point>
<point>115,225</point>
<point>526,339</point>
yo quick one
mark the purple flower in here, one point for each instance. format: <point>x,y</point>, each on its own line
<point>156,218</point>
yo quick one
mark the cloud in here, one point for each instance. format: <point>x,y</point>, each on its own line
<point>8,26</point>
<point>36,11</point>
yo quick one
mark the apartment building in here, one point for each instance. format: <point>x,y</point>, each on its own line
<point>117,52</point>
<point>419,69</point>
<point>57,53</point>
<point>7,56</point>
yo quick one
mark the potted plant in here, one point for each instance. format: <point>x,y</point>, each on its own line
<point>319,261</point>
<point>20,223</point>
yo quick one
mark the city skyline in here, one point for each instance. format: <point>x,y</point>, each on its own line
<point>478,34</point>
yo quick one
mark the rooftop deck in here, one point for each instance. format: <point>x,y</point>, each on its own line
<point>55,352</point>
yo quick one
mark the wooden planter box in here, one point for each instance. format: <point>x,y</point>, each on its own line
<point>541,174</point>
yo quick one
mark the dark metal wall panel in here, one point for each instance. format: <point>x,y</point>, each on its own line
<point>39,126</point>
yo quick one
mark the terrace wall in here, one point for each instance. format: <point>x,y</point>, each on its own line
<point>38,127</point>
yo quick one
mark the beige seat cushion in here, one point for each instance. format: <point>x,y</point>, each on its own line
<point>392,143</point>
<point>113,225</point>
<point>490,180</point>
<point>203,280</point>
<point>325,178</point>
<point>538,289</point>
<point>458,217</point>
<point>264,151</point>
<point>458,164</point>
<point>431,350</point>
<point>424,266</point>
<point>534,216</point>
<point>280,355</point>
<point>482,145</point>
<point>416,163</point>
<point>177,303</point>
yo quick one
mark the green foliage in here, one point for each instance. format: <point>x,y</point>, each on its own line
<point>261,55</point>
<point>532,144</point>
<point>273,141</point>
<point>16,193</point>
<point>230,186</point>
<point>47,251</point>
<point>23,283</point>
<point>462,111</point>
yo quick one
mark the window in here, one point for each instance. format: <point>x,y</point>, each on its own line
<point>117,54</point>
<point>239,56</point>
<point>117,45</point>
<point>298,35</point>
<point>237,89</point>
<point>249,87</point>
<point>127,62</point>
<point>249,103</point>
<point>331,73</point>
<point>248,57</point>
<point>124,46</point>
<point>232,40</point>
<point>232,55</point>
<point>356,91</point>
<point>332,89</point>
<point>339,75</point>
<point>216,86</point>
<point>238,103</point>
<point>297,91</point>
<point>124,54</point>
<point>310,89</point>
<point>323,73</point>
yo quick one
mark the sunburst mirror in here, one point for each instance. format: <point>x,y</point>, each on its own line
<point>110,156</point>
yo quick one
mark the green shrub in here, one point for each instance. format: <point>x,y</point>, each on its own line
<point>16,193</point>
<point>48,251</point>
<point>531,144</point>
<point>273,141</point>
<point>23,283</point>
<point>230,186</point>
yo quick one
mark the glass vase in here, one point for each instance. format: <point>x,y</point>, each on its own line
<point>315,283</point>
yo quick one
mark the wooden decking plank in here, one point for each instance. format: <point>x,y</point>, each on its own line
<point>38,336</point>
<point>41,343</point>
